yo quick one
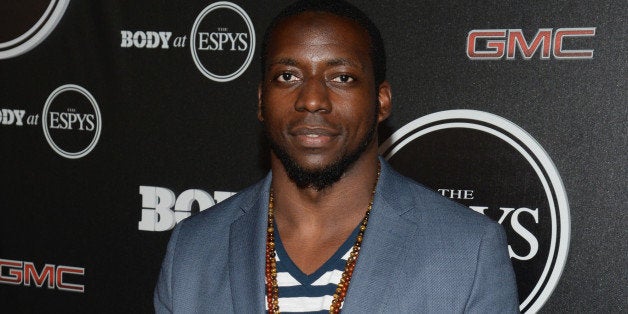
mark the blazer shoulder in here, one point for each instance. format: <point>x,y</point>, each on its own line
<point>422,204</point>
<point>220,216</point>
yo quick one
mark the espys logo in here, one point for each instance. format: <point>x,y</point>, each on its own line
<point>497,169</point>
<point>30,22</point>
<point>494,44</point>
<point>71,121</point>
<point>161,209</point>
<point>53,276</point>
<point>222,41</point>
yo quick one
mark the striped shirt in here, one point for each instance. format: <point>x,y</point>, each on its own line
<point>301,293</point>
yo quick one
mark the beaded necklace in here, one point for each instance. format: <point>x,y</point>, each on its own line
<point>272,289</point>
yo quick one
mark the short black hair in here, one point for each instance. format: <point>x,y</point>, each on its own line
<point>339,8</point>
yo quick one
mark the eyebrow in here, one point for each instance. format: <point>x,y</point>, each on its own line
<point>344,61</point>
<point>332,62</point>
<point>284,61</point>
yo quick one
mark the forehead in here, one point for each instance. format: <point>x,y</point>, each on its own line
<point>321,34</point>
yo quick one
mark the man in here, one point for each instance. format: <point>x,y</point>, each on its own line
<point>333,226</point>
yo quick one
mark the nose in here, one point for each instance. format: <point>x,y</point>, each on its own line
<point>313,97</point>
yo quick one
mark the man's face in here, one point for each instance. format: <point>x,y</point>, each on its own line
<point>318,100</point>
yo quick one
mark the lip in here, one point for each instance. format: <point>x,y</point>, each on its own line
<point>313,136</point>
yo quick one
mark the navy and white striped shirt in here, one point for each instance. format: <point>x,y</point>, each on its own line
<point>301,293</point>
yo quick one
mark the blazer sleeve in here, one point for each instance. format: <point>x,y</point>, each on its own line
<point>494,288</point>
<point>162,297</point>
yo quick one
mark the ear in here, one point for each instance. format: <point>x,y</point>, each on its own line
<point>260,117</point>
<point>385,101</point>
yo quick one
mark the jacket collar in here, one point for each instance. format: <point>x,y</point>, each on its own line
<point>382,250</point>
<point>247,248</point>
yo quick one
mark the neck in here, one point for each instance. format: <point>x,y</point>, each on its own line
<point>340,206</point>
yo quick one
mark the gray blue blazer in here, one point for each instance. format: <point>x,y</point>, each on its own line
<point>422,253</point>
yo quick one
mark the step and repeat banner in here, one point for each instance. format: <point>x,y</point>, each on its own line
<point>118,119</point>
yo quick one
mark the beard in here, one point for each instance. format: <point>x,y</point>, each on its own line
<point>320,179</point>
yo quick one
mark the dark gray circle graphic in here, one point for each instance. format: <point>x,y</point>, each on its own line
<point>222,46</point>
<point>503,173</point>
<point>71,121</point>
<point>19,39</point>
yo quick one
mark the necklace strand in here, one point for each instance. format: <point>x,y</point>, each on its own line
<point>272,289</point>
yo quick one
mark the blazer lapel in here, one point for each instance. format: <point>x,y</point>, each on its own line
<point>379,265</point>
<point>383,250</point>
<point>247,246</point>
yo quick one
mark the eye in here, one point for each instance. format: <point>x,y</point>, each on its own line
<point>343,79</point>
<point>286,77</point>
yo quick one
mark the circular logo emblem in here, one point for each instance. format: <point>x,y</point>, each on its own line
<point>222,41</point>
<point>71,121</point>
<point>29,23</point>
<point>497,169</point>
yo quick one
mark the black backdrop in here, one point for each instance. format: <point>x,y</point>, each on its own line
<point>164,124</point>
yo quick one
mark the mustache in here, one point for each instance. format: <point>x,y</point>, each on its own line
<point>313,124</point>
<point>311,121</point>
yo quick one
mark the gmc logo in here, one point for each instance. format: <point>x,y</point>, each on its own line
<point>25,273</point>
<point>499,42</point>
